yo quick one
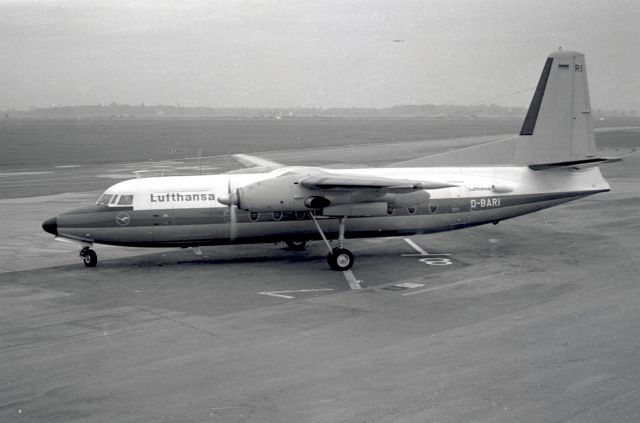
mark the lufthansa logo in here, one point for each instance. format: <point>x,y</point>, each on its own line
<point>123,219</point>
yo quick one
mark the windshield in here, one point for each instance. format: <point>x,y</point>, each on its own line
<point>104,199</point>
<point>115,199</point>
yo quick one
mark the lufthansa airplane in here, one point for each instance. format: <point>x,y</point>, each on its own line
<point>551,161</point>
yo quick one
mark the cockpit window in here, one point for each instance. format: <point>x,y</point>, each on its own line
<point>104,199</point>
<point>113,200</point>
<point>125,200</point>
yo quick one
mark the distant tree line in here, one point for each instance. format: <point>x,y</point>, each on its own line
<point>115,111</point>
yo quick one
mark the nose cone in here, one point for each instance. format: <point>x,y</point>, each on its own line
<point>51,225</point>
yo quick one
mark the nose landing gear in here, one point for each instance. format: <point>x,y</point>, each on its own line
<point>89,257</point>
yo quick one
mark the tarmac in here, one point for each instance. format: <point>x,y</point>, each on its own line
<point>535,319</point>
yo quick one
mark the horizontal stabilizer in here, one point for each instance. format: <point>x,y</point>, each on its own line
<point>575,164</point>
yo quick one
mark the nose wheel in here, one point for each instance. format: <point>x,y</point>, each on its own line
<point>89,257</point>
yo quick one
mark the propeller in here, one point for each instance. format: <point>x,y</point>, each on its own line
<point>231,200</point>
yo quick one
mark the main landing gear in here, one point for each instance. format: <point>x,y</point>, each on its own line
<point>339,258</point>
<point>296,245</point>
<point>89,257</point>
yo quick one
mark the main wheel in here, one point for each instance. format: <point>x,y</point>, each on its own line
<point>89,257</point>
<point>340,259</point>
<point>296,245</point>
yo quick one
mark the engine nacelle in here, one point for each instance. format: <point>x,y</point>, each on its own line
<point>282,193</point>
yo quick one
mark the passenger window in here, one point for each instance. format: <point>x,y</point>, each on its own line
<point>125,200</point>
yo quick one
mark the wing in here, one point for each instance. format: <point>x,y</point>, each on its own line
<point>358,182</point>
<point>474,151</point>
<point>251,161</point>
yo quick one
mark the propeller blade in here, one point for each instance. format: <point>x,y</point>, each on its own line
<point>233,221</point>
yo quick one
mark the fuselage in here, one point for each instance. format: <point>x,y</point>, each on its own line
<point>185,211</point>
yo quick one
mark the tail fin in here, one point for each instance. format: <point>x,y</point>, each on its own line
<point>558,127</point>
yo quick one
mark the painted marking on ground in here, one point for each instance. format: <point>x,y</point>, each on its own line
<point>420,250</point>
<point>403,286</point>
<point>353,282</point>
<point>416,247</point>
<point>409,285</point>
<point>280,294</point>
<point>466,281</point>
<point>426,258</point>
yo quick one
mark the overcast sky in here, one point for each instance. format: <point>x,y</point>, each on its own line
<point>231,53</point>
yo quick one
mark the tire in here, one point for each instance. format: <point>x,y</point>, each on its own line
<point>90,258</point>
<point>296,245</point>
<point>340,259</point>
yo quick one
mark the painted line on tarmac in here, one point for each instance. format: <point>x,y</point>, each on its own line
<point>416,247</point>
<point>434,288</point>
<point>280,294</point>
<point>353,282</point>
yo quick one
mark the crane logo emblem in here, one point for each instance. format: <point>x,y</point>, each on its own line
<point>123,219</point>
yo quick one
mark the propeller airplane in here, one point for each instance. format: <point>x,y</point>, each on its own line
<point>551,161</point>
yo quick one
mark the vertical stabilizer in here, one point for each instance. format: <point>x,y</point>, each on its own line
<point>558,124</point>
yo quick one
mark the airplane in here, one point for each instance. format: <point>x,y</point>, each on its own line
<point>551,161</point>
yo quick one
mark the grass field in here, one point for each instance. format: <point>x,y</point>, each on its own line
<point>29,142</point>
<point>68,142</point>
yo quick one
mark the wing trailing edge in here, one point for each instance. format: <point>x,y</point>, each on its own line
<point>575,164</point>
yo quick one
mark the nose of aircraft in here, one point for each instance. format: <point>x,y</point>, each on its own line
<point>51,225</point>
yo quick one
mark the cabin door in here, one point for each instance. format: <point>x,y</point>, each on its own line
<point>459,210</point>
<point>183,217</point>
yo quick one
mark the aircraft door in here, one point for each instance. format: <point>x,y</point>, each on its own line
<point>459,211</point>
<point>183,216</point>
<point>161,215</point>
